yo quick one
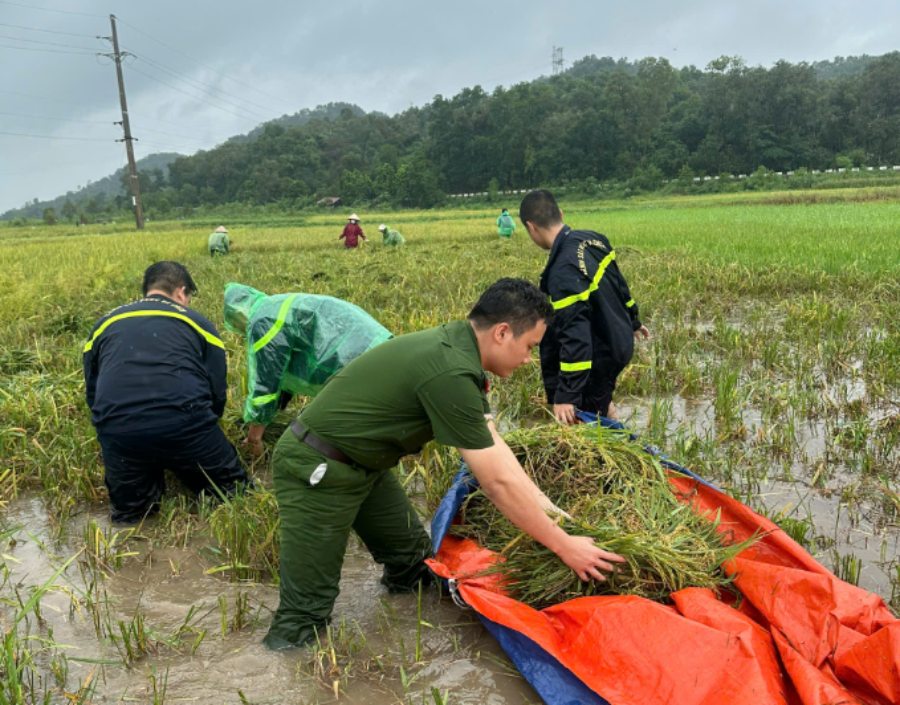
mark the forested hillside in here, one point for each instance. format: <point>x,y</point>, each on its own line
<point>602,120</point>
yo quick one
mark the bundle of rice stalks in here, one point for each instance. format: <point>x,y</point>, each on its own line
<point>618,495</point>
<point>246,528</point>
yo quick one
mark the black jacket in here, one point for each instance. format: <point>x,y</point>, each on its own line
<point>592,330</point>
<point>154,364</point>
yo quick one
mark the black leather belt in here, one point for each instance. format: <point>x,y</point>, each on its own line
<point>324,447</point>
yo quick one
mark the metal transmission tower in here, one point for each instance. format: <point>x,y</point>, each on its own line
<point>557,61</point>
<point>126,128</point>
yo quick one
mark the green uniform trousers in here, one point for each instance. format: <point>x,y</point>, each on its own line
<point>317,514</point>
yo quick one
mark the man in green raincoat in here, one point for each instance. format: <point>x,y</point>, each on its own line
<point>390,236</point>
<point>295,343</point>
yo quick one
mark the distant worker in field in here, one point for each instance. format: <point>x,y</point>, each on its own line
<point>333,468</point>
<point>352,232</point>
<point>154,373</point>
<point>295,343</point>
<point>506,226</point>
<point>591,337</point>
<point>219,244</point>
<point>390,236</point>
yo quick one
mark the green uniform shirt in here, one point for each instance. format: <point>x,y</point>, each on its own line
<point>393,399</point>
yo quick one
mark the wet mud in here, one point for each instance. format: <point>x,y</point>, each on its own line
<point>384,653</point>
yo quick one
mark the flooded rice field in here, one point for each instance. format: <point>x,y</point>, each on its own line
<point>851,527</point>
<point>772,372</point>
<point>169,632</point>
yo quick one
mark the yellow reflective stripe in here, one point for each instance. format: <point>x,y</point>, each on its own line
<point>629,303</point>
<point>595,282</point>
<point>260,401</point>
<point>210,338</point>
<point>574,366</point>
<point>277,326</point>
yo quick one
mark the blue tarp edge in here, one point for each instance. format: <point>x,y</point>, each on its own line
<point>556,684</point>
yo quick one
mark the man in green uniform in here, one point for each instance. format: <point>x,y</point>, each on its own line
<point>332,467</point>
<point>219,244</point>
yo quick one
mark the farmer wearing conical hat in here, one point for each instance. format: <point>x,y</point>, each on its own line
<point>219,244</point>
<point>390,236</point>
<point>333,469</point>
<point>295,343</point>
<point>352,232</point>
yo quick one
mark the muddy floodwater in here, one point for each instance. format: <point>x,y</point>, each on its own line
<point>150,620</point>
<point>842,520</point>
<point>375,656</point>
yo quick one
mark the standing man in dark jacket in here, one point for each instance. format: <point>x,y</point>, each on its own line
<point>154,372</point>
<point>591,337</point>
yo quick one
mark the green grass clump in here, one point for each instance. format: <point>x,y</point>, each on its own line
<point>246,529</point>
<point>618,495</point>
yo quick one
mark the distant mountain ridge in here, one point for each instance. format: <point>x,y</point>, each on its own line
<point>112,186</point>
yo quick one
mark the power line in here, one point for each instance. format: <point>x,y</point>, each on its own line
<point>36,97</point>
<point>55,137</point>
<point>49,51</point>
<point>48,31</point>
<point>51,44</point>
<point>161,132</point>
<point>173,147</point>
<point>60,119</point>
<point>199,86</point>
<point>175,88</point>
<point>209,68</point>
<point>47,9</point>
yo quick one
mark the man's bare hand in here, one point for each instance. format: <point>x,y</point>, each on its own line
<point>255,446</point>
<point>253,441</point>
<point>587,559</point>
<point>642,332</point>
<point>565,413</point>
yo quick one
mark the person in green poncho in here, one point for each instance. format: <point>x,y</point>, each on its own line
<point>219,244</point>
<point>506,226</point>
<point>390,236</point>
<point>295,343</point>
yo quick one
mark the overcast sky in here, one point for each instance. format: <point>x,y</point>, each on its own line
<point>205,70</point>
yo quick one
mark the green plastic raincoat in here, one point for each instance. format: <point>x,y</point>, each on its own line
<point>506,226</point>
<point>295,342</point>
<point>392,237</point>
<point>219,244</point>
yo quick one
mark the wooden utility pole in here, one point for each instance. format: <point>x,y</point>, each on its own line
<point>126,128</point>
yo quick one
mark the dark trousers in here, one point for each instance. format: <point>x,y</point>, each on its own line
<point>320,501</point>
<point>597,393</point>
<point>200,457</point>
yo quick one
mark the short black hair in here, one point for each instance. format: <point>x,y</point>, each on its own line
<point>540,208</point>
<point>168,276</point>
<point>514,301</point>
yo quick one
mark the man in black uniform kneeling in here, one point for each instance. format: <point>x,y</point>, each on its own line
<point>154,371</point>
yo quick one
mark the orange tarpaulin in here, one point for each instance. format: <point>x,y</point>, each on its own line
<point>796,635</point>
